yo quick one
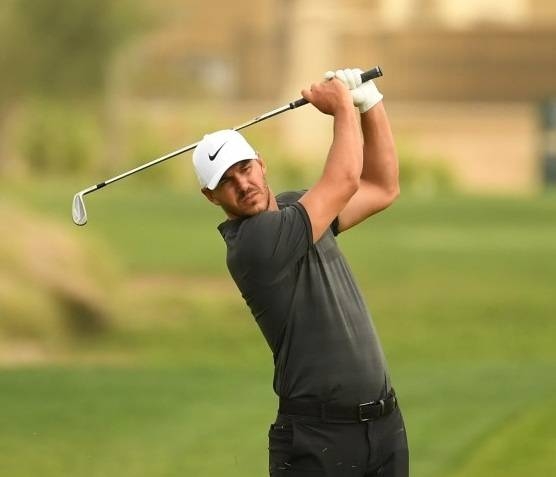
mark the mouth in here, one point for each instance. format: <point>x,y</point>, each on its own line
<point>250,196</point>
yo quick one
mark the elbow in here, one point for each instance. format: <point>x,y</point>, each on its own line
<point>352,185</point>
<point>391,194</point>
<point>347,183</point>
<point>394,189</point>
<point>395,192</point>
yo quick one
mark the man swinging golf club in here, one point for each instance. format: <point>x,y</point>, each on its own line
<point>338,413</point>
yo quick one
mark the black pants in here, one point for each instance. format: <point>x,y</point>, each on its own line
<point>306,446</point>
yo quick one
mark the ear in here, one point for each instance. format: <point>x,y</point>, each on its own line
<point>209,194</point>
<point>260,160</point>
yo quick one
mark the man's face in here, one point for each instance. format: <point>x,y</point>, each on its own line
<point>242,190</point>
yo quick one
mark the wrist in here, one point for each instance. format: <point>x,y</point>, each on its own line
<point>367,96</point>
<point>344,111</point>
<point>371,103</point>
<point>367,106</point>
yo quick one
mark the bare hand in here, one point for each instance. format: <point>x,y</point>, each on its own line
<point>329,97</point>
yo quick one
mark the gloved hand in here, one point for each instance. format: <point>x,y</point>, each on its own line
<point>365,95</point>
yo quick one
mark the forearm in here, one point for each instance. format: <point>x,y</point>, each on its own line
<point>345,159</point>
<point>380,161</point>
<point>342,170</point>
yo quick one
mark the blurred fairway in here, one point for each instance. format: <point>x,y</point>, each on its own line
<point>461,290</point>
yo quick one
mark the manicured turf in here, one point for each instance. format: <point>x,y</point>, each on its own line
<point>461,290</point>
<point>462,420</point>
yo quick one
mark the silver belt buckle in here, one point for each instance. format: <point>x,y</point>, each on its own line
<point>369,404</point>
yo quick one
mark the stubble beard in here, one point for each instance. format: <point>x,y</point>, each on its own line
<point>249,211</point>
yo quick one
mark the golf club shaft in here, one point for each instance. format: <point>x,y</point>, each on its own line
<point>366,76</point>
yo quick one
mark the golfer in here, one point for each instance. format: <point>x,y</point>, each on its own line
<point>338,413</point>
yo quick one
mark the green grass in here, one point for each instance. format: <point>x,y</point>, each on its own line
<point>461,290</point>
<point>213,420</point>
<point>113,422</point>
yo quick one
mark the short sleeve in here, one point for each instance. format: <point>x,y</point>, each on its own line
<point>335,227</point>
<point>269,243</point>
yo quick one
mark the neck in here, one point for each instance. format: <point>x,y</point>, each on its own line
<point>272,204</point>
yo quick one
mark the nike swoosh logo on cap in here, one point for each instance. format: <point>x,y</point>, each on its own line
<point>212,157</point>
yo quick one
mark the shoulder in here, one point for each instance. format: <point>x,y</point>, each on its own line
<point>270,226</point>
<point>289,197</point>
<point>246,235</point>
<point>292,197</point>
<point>271,238</point>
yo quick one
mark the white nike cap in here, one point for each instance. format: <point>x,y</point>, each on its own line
<point>216,153</point>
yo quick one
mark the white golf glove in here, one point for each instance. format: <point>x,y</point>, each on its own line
<point>365,95</point>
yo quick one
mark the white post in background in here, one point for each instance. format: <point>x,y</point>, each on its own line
<point>311,51</point>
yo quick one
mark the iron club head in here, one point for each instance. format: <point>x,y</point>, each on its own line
<point>78,211</point>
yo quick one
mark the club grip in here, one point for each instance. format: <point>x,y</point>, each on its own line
<point>373,73</point>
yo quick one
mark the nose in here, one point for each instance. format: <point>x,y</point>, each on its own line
<point>242,183</point>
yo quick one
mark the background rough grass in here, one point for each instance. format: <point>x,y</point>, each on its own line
<point>51,283</point>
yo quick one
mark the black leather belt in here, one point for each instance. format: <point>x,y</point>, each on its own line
<point>328,412</point>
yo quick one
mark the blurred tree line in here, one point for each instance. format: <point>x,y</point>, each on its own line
<point>55,56</point>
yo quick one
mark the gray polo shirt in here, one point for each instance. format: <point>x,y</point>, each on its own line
<point>307,305</point>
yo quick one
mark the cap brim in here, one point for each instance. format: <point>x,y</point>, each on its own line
<point>213,183</point>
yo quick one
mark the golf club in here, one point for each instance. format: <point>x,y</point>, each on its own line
<point>79,213</point>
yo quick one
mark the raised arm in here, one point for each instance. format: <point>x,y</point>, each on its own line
<point>340,178</point>
<point>379,184</point>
